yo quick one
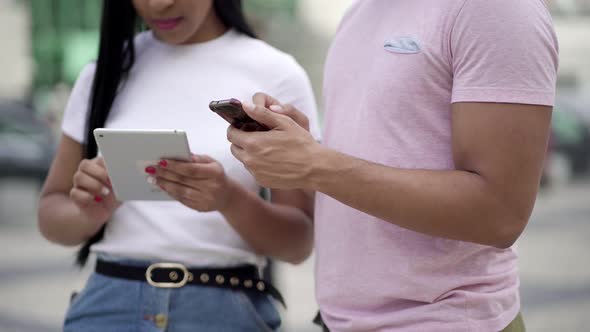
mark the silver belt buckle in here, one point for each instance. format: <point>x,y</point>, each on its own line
<point>177,284</point>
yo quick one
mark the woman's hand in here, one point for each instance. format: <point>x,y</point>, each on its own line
<point>92,192</point>
<point>200,184</point>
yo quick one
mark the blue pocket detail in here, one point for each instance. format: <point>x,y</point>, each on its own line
<point>406,45</point>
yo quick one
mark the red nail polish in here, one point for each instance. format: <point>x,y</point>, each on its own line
<point>163,163</point>
<point>97,199</point>
<point>150,170</point>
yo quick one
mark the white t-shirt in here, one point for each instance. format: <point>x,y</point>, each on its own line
<point>170,87</point>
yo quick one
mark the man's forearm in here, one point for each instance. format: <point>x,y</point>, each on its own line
<point>452,204</point>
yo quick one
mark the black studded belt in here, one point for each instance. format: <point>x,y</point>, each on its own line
<point>175,275</point>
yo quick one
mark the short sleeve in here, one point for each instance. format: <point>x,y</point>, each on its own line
<point>296,89</point>
<point>75,114</point>
<point>504,51</point>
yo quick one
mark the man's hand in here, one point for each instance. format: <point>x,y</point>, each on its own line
<point>280,158</point>
<point>264,100</point>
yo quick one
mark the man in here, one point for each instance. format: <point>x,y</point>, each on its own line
<point>437,120</point>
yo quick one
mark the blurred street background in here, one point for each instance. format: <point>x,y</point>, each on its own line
<point>45,43</point>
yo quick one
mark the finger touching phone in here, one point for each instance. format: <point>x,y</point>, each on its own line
<point>231,111</point>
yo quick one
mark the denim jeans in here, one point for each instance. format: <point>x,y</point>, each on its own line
<point>116,305</point>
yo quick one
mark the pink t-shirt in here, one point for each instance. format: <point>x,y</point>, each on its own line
<point>393,71</point>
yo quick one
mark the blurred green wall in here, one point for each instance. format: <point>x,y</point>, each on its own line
<point>64,38</point>
<point>65,35</point>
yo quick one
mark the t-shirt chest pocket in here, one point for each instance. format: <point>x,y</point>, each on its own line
<point>399,63</point>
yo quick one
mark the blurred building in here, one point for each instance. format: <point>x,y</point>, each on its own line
<point>323,16</point>
<point>16,65</point>
<point>573,30</point>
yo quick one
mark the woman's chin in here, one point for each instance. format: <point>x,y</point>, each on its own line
<point>170,38</point>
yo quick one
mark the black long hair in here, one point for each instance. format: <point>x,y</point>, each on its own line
<point>116,57</point>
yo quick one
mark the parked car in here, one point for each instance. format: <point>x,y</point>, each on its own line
<point>27,145</point>
<point>569,149</point>
<point>572,137</point>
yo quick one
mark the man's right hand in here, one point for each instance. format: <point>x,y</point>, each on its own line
<point>92,192</point>
<point>262,99</point>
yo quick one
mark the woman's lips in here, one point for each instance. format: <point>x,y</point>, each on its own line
<point>168,23</point>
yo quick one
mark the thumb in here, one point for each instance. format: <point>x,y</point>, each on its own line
<point>100,161</point>
<point>263,99</point>
<point>289,110</point>
<point>263,115</point>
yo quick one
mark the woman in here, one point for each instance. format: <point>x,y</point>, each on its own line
<point>218,232</point>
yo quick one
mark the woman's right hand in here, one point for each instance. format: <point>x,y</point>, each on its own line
<point>92,192</point>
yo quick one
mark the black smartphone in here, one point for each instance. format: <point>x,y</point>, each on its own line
<point>231,111</point>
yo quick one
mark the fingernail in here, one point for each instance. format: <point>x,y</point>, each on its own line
<point>248,106</point>
<point>97,199</point>
<point>105,191</point>
<point>276,108</point>
<point>163,163</point>
<point>152,180</point>
<point>150,170</point>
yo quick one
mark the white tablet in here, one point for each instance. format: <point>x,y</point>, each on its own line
<point>127,153</point>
